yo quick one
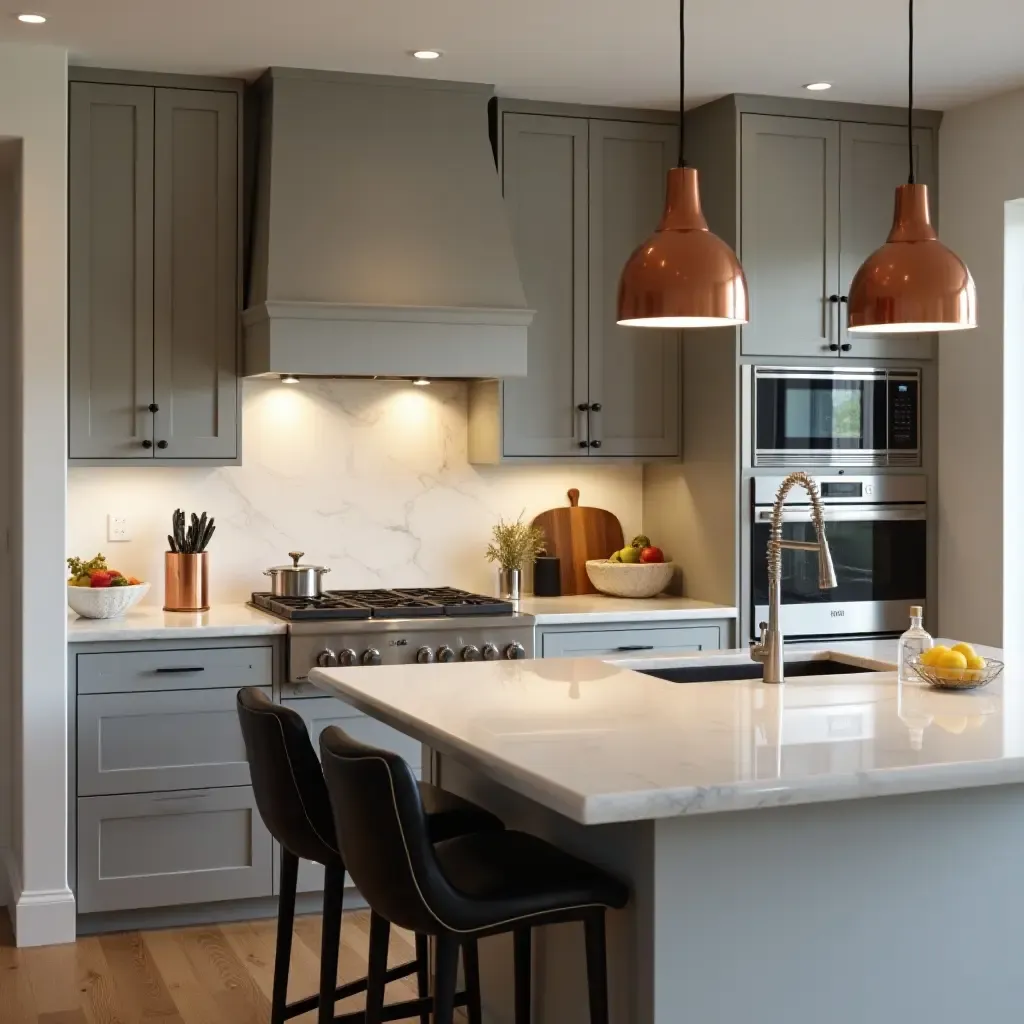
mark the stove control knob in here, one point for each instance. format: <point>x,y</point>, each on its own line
<point>445,654</point>
<point>327,658</point>
<point>371,656</point>
<point>347,657</point>
<point>425,655</point>
<point>515,651</point>
<point>471,653</point>
<point>491,652</point>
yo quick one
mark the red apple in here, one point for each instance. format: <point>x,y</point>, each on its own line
<point>651,554</point>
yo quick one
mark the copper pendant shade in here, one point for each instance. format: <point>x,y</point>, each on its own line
<point>913,283</point>
<point>683,275</point>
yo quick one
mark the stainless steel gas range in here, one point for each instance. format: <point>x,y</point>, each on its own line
<point>397,627</point>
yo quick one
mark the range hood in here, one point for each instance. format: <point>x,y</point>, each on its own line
<point>380,244</point>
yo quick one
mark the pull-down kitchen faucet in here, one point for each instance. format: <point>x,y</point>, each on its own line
<point>768,649</point>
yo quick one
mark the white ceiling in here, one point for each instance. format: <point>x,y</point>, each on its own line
<point>619,52</point>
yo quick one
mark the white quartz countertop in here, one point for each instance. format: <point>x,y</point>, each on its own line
<point>600,742</point>
<point>152,623</point>
<point>599,608</point>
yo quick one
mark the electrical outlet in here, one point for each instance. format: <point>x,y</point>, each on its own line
<point>117,528</point>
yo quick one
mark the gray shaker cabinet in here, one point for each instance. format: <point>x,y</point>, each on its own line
<point>873,161</point>
<point>634,372</point>
<point>153,274</point>
<point>581,193</point>
<point>789,209</point>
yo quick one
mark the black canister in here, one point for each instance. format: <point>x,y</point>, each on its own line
<point>547,581</point>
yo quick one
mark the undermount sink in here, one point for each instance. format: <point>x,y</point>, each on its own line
<point>751,670</point>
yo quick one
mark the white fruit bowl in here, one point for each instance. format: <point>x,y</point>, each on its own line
<point>629,579</point>
<point>105,602</point>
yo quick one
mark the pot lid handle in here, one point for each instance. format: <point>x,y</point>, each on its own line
<point>295,556</point>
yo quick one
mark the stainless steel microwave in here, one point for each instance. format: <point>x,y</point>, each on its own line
<point>823,417</point>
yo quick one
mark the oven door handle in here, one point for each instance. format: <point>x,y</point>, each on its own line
<point>850,514</point>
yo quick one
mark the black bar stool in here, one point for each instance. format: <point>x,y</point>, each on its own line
<point>459,890</point>
<point>292,799</point>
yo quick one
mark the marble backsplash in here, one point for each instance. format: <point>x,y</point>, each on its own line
<point>368,477</point>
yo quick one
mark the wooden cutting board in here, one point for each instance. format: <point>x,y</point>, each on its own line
<point>575,533</point>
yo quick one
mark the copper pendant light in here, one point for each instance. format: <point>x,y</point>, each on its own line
<point>913,283</point>
<point>683,275</point>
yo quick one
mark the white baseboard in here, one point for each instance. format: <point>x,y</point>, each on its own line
<point>41,917</point>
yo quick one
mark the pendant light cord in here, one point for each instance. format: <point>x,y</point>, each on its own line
<point>682,78</point>
<point>910,96</point>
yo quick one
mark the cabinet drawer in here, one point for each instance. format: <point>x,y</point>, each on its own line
<point>162,849</point>
<point>585,643</point>
<point>168,739</point>
<point>187,668</point>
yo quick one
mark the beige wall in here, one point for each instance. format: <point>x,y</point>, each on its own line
<point>981,377</point>
<point>33,110</point>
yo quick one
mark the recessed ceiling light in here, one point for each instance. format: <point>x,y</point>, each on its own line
<point>32,19</point>
<point>426,54</point>
<point>421,382</point>
<point>818,86</point>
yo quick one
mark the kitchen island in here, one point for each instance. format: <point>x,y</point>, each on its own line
<point>839,848</point>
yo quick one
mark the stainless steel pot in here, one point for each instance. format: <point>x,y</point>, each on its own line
<point>295,580</point>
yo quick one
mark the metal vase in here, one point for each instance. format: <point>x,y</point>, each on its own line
<point>510,584</point>
<point>186,582</point>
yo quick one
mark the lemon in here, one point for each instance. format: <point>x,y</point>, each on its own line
<point>932,655</point>
<point>965,649</point>
<point>975,661</point>
<point>951,659</point>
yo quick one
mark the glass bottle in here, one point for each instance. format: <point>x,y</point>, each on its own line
<point>915,641</point>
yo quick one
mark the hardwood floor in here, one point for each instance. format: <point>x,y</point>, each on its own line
<point>218,974</point>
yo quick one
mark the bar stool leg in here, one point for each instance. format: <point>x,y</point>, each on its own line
<point>446,968</point>
<point>597,966</point>
<point>330,940</point>
<point>522,958</point>
<point>285,924</point>
<point>376,975</point>
<point>423,972</point>
<point>471,968</point>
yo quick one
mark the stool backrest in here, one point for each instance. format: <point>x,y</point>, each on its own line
<point>286,777</point>
<point>379,816</point>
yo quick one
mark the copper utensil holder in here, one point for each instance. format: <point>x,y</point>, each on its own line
<point>186,582</point>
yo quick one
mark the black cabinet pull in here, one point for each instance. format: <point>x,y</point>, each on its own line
<point>596,407</point>
<point>844,298</point>
<point>161,444</point>
<point>833,298</point>
<point>635,647</point>
<point>583,407</point>
<point>180,670</point>
<point>147,443</point>
<point>846,346</point>
<point>595,444</point>
<point>833,347</point>
<point>153,407</point>
<point>583,444</point>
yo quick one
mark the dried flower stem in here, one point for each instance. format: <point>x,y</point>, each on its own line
<point>515,544</point>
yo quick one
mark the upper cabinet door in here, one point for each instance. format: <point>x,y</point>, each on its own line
<point>197,293</point>
<point>544,176</point>
<point>110,260</point>
<point>873,161</point>
<point>789,201</point>
<point>634,371</point>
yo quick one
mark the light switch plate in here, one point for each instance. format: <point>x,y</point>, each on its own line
<point>117,528</point>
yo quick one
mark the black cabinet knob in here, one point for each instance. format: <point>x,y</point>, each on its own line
<point>846,346</point>
<point>833,348</point>
<point>161,444</point>
<point>833,298</point>
<point>596,407</point>
<point>153,407</point>
<point>583,444</point>
<point>583,407</point>
<point>844,298</point>
<point>595,444</point>
<point>147,443</point>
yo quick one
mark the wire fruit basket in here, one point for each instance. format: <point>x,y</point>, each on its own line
<point>957,678</point>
